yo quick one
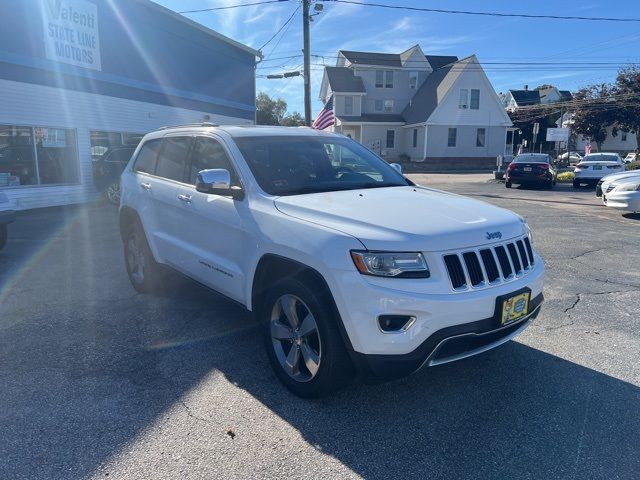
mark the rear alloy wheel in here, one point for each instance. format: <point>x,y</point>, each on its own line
<point>302,338</point>
<point>113,193</point>
<point>576,184</point>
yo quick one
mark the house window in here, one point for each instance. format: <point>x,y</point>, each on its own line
<point>624,136</point>
<point>464,98</point>
<point>475,99</point>
<point>413,79</point>
<point>388,105</point>
<point>453,134</point>
<point>37,156</point>
<point>379,78</point>
<point>378,105</point>
<point>415,138</point>
<point>391,138</point>
<point>348,105</point>
<point>480,135</point>
<point>388,82</point>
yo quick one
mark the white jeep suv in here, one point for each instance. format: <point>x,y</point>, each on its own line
<point>350,266</point>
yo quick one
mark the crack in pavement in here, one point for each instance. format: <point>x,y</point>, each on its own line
<point>587,253</point>
<point>190,413</point>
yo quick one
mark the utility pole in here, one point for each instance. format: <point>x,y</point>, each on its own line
<point>307,67</point>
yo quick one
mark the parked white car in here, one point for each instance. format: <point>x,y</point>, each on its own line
<point>608,183</point>
<point>574,158</point>
<point>7,216</point>
<point>631,157</point>
<point>625,195</point>
<point>349,265</point>
<point>595,166</point>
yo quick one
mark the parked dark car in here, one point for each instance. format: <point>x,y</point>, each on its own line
<point>531,169</point>
<point>7,215</point>
<point>107,170</point>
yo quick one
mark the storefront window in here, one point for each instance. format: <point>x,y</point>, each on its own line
<point>103,142</point>
<point>53,160</point>
<point>17,162</point>
<point>56,155</point>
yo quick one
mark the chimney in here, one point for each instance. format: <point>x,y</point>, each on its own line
<point>526,87</point>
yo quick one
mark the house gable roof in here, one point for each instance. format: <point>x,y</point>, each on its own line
<point>565,95</point>
<point>372,58</point>
<point>342,79</point>
<point>526,97</point>
<point>440,61</point>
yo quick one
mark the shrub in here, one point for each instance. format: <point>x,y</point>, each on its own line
<point>565,177</point>
<point>633,166</point>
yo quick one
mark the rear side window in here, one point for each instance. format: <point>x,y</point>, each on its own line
<point>208,154</point>
<point>146,160</point>
<point>173,158</point>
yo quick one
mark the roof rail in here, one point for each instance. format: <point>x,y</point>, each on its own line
<point>198,124</point>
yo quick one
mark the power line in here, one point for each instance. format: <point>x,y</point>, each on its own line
<point>488,14</point>
<point>280,29</point>
<point>227,7</point>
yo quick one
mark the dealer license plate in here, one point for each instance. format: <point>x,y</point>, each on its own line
<point>597,167</point>
<point>527,169</point>
<point>515,307</point>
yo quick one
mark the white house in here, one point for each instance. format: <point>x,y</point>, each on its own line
<point>432,108</point>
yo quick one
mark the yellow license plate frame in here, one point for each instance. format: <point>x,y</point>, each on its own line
<point>515,307</point>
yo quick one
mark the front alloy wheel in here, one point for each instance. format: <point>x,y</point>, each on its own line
<point>295,338</point>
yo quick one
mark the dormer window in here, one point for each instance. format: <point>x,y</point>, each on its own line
<point>413,79</point>
<point>348,105</point>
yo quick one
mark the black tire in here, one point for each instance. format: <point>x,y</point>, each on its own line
<point>145,274</point>
<point>3,236</point>
<point>507,184</point>
<point>334,369</point>
<point>549,185</point>
<point>576,184</point>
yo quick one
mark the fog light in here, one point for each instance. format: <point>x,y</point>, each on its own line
<point>395,323</point>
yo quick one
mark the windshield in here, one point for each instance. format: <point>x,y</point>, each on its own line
<point>532,158</point>
<point>600,158</point>
<point>298,165</point>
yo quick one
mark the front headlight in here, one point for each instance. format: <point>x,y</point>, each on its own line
<point>628,187</point>
<point>391,264</point>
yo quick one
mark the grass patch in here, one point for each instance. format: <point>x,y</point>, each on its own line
<point>565,177</point>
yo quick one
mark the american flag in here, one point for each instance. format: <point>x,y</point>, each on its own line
<point>587,148</point>
<point>325,118</point>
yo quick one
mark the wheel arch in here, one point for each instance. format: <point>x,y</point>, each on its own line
<point>128,216</point>
<point>272,267</point>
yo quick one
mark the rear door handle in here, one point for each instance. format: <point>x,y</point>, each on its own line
<point>146,186</point>
<point>184,198</point>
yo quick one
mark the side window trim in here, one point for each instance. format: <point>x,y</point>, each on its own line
<point>155,160</point>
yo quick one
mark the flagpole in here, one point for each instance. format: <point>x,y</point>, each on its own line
<point>307,61</point>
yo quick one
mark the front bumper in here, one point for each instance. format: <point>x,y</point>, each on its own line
<point>361,300</point>
<point>623,200</point>
<point>7,216</point>
<point>447,345</point>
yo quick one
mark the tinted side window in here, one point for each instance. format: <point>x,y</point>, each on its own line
<point>146,160</point>
<point>208,154</point>
<point>173,158</point>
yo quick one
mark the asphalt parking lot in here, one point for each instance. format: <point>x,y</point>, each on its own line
<point>97,381</point>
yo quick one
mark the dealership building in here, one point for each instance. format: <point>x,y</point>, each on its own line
<point>80,77</point>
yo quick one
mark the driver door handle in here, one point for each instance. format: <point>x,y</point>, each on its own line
<point>146,186</point>
<point>184,198</point>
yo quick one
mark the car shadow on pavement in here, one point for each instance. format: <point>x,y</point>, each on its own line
<point>90,366</point>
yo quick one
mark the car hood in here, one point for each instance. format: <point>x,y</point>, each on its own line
<point>618,176</point>
<point>406,218</point>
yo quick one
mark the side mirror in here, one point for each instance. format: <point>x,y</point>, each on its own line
<point>217,181</point>
<point>397,167</point>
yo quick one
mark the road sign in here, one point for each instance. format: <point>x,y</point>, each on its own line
<point>557,134</point>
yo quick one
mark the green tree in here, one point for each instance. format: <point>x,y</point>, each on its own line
<point>595,111</point>
<point>269,111</point>
<point>627,91</point>
<point>274,112</point>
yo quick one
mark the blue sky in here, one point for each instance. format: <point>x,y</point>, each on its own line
<point>360,27</point>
